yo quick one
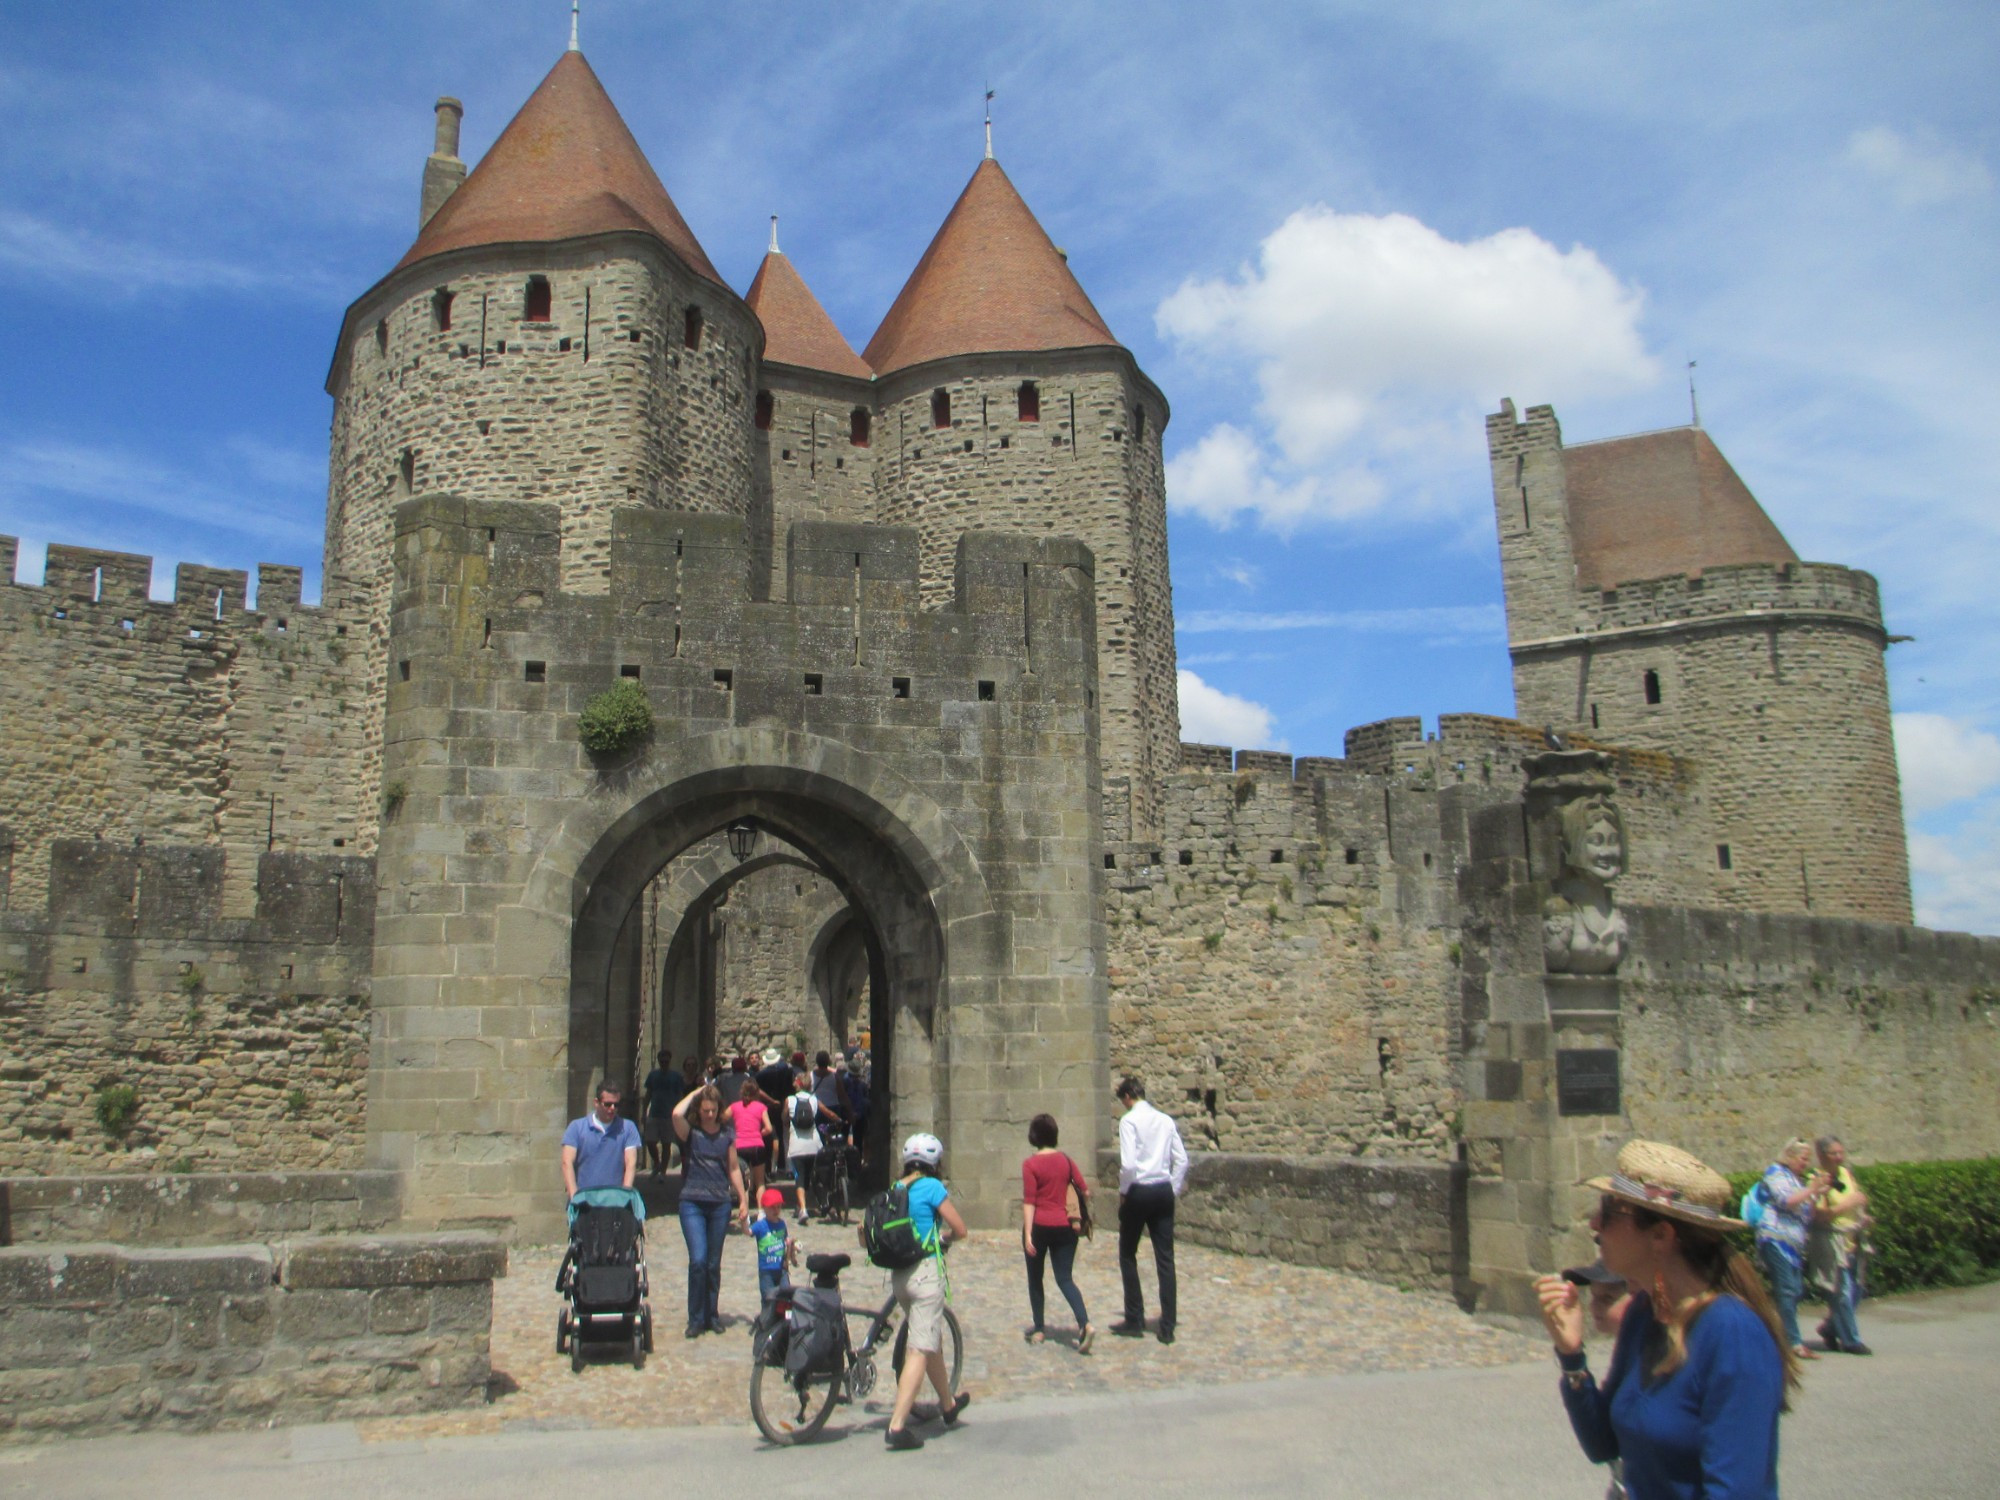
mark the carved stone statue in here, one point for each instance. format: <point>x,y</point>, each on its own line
<point>1583,932</point>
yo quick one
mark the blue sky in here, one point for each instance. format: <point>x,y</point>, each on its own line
<point>1336,234</point>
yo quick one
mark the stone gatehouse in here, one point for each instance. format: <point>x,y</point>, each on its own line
<point>340,886</point>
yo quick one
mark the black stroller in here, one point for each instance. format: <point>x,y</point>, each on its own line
<point>603,1274</point>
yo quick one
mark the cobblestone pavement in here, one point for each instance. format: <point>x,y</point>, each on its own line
<point>1240,1319</point>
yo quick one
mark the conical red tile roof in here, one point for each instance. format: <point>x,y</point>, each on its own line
<point>797,330</point>
<point>991,280</point>
<point>565,166</point>
<point>1662,503</point>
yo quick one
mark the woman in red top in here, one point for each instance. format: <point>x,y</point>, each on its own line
<point>1047,1230</point>
<point>751,1116</point>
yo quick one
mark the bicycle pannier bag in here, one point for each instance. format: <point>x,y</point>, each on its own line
<point>812,1332</point>
<point>888,1233</point>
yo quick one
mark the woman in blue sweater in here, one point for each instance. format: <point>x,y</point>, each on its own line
<point>1701,1369</point>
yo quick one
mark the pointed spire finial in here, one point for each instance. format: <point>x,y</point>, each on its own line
<point>1694,406</point>
<point>574,6</point>
<point>774,235</point>
<point>989,124</point>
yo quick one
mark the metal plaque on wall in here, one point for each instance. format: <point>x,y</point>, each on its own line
<point>1587,1081</point>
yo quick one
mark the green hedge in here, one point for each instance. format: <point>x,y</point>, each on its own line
<point>1937,1223</point>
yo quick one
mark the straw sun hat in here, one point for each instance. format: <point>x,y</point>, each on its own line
<point>1667,1181</point>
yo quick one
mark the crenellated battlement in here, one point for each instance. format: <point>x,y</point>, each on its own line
<point>174,893</point>
<point>1738,592</point>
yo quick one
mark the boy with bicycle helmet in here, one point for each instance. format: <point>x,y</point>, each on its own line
<point>921,1289</point>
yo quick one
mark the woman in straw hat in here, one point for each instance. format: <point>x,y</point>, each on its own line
<point>1700,1369</point>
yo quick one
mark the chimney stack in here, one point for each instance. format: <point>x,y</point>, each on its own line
<point>443,171</point>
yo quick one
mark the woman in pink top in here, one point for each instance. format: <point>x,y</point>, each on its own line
<point>1048,1231</point>
<point>751,1117</point>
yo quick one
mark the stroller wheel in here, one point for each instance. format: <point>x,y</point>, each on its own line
<point>646,1328</point>
<point>562,1331</point>
<point>576,1351</point>
<point>638,1349</point>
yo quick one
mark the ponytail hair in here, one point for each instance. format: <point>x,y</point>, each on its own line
<point>1723,1271</point>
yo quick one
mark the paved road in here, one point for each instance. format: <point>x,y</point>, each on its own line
<point>1917,1419</point>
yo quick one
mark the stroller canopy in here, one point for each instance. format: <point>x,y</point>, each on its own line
<point>609,1197</point>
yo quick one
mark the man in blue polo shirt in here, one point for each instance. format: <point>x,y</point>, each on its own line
<point>601,1149</point>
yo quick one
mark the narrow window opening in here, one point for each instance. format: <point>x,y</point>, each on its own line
<point>96,585</point>
<point>1028,402</point>
<point>940,407</point>
<point>1138,422</point>
<point>218,604</point>
<point>899,687</point>
<point>1593,716</point>
<point>441,301</point>
<point>403,670</point>
<point>785,455</point>
<point>985,692</point>
<point>1722,858</point>
<point>691,328</point>
<point>1187,856</point>
<point>484,424</point>
<point>382,337</point>
<point>1652,687</point>
<point>1110,861</point>
<point>1003,440</point>
<point>62,614</point>
<point>128,626</point>
<point>406,470</point>
<point>857,427</point>
<point>283,626</point>
<point>968,445</point>
<point>486,638</point>
<point>1354,856</point>
<point>536,306</point>
<point>815,684</point>
<point>766,406</point>
<point>634,335</point>
<point>631,670</point>
<point>1090,697</point>
<point>537,671</point>
<point>725,679</point>
<point>499,346</point>
<point>562,346</point>
<point>1385,1055</point>
<point>1427,859</point>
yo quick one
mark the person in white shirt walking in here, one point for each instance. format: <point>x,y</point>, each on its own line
<point>1152,1173</point>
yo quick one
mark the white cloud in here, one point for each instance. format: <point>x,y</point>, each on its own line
<point>1210,716</point>
<point>1943,760</point>
<point>1918,172</point>
<point>1956,879</point>
<point>1377,342</point>
<point>53,252</point>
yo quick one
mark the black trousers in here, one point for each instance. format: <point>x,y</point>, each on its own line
<point>1148,1208</point>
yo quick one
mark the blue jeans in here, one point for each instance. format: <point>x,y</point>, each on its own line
<point>1787,1285</point>
<point>1840,1310</point>
<point>704,1226</point>
<point>769,1279</point>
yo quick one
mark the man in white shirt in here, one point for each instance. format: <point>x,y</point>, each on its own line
<point>1152,1173</point>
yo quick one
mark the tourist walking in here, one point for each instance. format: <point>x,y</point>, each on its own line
<point>1790,1199</point>
<point>802,1119</point>
<point>1152,1173</point>
<point>1700,1369</point>
<point>711,1179</point>
<point>664,1087</point>
<point>1609,1297</point>
<point>922,1290</point>
<point>775,1079</point>
<point>1049,1231</point>
<point>1835,1246</point>
<point>601,1148</point>
<point>750,1117</point>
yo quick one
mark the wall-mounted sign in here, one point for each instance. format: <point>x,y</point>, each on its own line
<point>1587,1081</point>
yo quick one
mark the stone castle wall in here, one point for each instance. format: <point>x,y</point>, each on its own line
<point>195,720</point>
<point>809,468</point>
<point>1089,466</point>
<point>245,1040</point>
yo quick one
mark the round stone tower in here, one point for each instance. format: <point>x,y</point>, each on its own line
<point>555,334</point>
<point>1006,404</point>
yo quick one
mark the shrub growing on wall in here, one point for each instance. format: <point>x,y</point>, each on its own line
<point>616,719</point>
<point>117,1105</point>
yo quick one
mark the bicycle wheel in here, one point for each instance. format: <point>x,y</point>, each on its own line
<point>787,1411</point>
<point>953,1346</point>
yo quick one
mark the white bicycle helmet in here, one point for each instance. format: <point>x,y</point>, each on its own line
<point>923,1147</point>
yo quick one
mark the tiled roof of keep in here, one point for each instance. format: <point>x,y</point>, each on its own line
<point>1662,503</point>
<point>991,280</point>
<point>565,166</point>
<point>797,330</point>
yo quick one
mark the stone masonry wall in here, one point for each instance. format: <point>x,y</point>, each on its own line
<point>1088,467</point>
<point>195,1208</point>
<point>807,462</point>
<point>1743,1031</point>
<point>100,1338</point>
<point>193,721</point>
<point>1283,963</point>
<point>244,1039</point>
